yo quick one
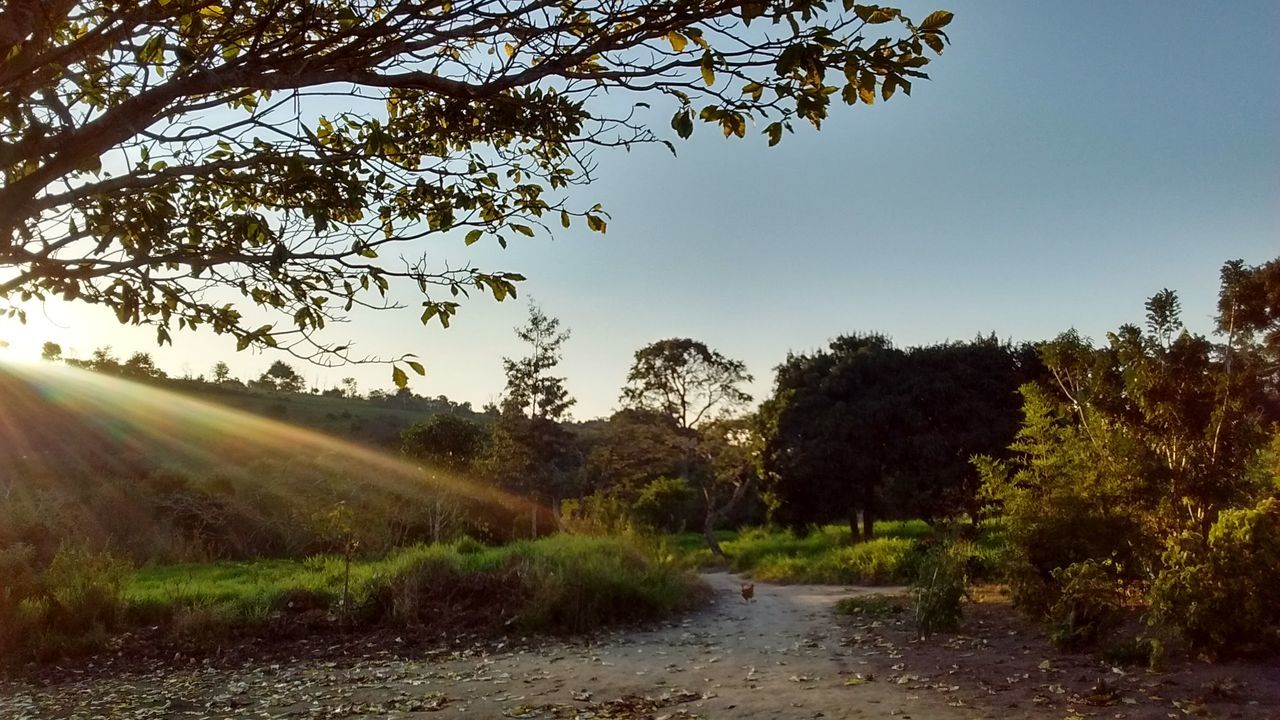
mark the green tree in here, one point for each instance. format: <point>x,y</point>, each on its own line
<point>632,449</point>
<point>686,380</point>
<point>864,428</point>
<point>730,449</point>
<point>445,441</point>
<point>221,372</point>
<point>162,156</point>
<point>283,378</point>
<point>532,388</point>
<point>140,365</point>
<point>830,432</point>
<point>51,352</point>
<point>530,451</point>
<point>1132,453</point>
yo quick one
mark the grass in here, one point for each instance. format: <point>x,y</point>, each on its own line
<point>561,584</point>
<point>824,555</point>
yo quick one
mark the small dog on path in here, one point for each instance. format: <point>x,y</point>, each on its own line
<point>748,592</point>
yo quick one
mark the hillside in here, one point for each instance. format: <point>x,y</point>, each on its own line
<point>213,473</point>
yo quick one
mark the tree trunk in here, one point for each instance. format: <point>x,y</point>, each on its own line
<point>709,532</point>
<point>714,515</point>
<point>868,511</point>
<point>855,525</point>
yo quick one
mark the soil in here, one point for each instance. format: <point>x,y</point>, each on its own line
<point>786,654</point>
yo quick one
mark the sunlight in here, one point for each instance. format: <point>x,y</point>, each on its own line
<point>160,424</point>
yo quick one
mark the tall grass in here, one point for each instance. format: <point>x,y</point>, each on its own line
<point>558,584</point>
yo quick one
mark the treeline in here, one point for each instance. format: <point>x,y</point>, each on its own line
<point>1142,471</point>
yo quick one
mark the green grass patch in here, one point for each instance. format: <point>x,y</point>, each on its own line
<point>871,607</point>
<point>826,554</point>
<point>554,585</point>
<point>563,583</point>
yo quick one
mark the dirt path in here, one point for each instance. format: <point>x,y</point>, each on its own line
<point>778,657</point>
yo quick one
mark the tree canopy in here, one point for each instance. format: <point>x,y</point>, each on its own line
<point>866,427</point>
<point>685,380</point>
<point>262,167</point>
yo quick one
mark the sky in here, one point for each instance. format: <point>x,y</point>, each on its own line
<point>1066,161</point>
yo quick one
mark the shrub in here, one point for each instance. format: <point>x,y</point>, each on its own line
<point>940,587</point>
<point>67,610</point>
<point>664,504</point>
<point>1222,594</point>
<point>870,607</point>
<point>1088,604</point>
<point>600,513</point>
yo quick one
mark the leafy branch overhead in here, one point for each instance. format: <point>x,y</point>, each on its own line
<point>262,167</point>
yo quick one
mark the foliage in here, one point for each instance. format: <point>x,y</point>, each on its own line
<point>160,157</point>
<point>633,448</point>
<point>864,428</point>
<point>531,388</point>
<point>664,505</point>
<point>685,380</point>
<point>1220,593</point>
<point>555,584</point>
<point>826,554</point>
<point>600,514</point>
<point>445,441</point>
<point>282,377</point>
<point>940,587</point>
<point>871,607</point>
<point>67,609</point>
<point>1130,457</point>
<point>1088,604</point>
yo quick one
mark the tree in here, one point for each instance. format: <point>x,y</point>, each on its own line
<point>867,428</point>
<point>731,450</point>
<point>830,432</point>
<point>162,156</point>
<point>686,380</point>
<point>445,441</point>
<point>632,449</point>
<point>140,365</point>
<point>532,389</point>
<point>349,388</point>
<point>530,452</point>
<point>283,378</point>
<point>51,352</point>
<point>221,372</point>
<point>1135,455</point>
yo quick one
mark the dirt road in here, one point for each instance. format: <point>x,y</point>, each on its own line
<point>780,656</point>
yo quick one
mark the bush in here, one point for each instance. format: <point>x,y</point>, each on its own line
<point>1222,594</point>
<point>600,514</point>
<point>664,505</point>
<point>1088,604</point>
<point>940,587</point>
<point>869,607</point>
<point>66,610</point>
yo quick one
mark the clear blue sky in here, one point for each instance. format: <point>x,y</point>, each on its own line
<point>1066,161</point>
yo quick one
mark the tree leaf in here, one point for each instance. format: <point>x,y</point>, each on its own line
<point>936,20</point>
<point>399,377</point>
